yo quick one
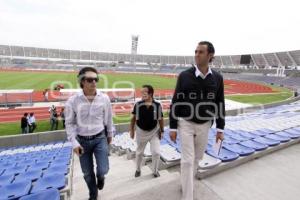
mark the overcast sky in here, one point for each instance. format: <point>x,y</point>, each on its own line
<point>166,27</point>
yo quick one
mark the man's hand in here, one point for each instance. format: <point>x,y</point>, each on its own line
<point>132,134</point>
<point>219,136</point>
<point>109,139</point>
<point>78,150</point>
<point>173,136</point>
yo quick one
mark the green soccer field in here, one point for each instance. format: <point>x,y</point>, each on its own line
<point>40,81</point>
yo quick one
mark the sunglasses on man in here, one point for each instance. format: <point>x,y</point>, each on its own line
<point>90,80</point>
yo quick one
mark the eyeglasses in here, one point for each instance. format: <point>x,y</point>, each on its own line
<point>90,80</point>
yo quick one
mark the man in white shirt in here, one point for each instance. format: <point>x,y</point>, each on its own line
<point>31,123</point>
<point>88,114</point>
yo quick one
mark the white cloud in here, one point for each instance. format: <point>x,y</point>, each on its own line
<point>165,27</point>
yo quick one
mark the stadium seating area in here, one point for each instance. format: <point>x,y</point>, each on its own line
<point>293,82</point>
<point>245,134</point>
<point>35,171</point>
<point>291,58</point>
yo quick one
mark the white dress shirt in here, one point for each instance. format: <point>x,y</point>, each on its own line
<point>87,118</point>
<point>31,120</point>
<point>199,73</point>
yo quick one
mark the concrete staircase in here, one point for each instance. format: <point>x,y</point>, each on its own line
<point>120,183</point>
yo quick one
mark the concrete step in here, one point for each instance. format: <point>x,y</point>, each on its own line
<point>138,187</point>
<point>124,171</point>
<point>111,185</point>
<point>120,180</point>
<point>121,170</point>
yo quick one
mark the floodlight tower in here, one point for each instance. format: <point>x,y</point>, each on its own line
<point>134,46</point>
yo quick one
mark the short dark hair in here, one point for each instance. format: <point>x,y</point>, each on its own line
<point>150,89</point>
<point>25,114</point>
<point>31,114</point>
<point>210,48</point>
<point>82,72</point>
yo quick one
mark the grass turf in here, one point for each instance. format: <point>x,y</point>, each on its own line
<point>40,81</point>
<point>280,94</point>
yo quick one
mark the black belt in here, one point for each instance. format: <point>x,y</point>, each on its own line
<point>90,137</point>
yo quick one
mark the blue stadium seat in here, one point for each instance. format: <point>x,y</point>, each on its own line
<point>225,155</point>
<point>29,162</point>
<point>15,170</point>
<point>66,150</point>
<point>46,158</point>
<point>211,134</point>
<point>61,169</point>
<point>211,141</point>
<point>50,194</point>
<point>278,138</point>
<point>15,190</point>
<point>293,131</point>
<point>19,159</point>
<point>229,140</point>
<point>239,137</point>
<point>239,149</point>
<point>254,145</point>
<point>267,131</point>
<point>208,147</point>
<point>6,179</point>
<point>259,133</point>
<point>266,141</point>
<point>57,181</point>
<point>163,141</point>
<point>226,132</point>
<point>39,166</point>
<point>65,161</point>
<point>246,134</point>
<point>63,156</point>
<point>29,175</point>
<point>7,165</point>
<point>288,134</point>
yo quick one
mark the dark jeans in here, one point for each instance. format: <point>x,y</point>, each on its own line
<point>32,128</point>
<point>99,148</point>
<point>54,124</point>
<point>24,130</point>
